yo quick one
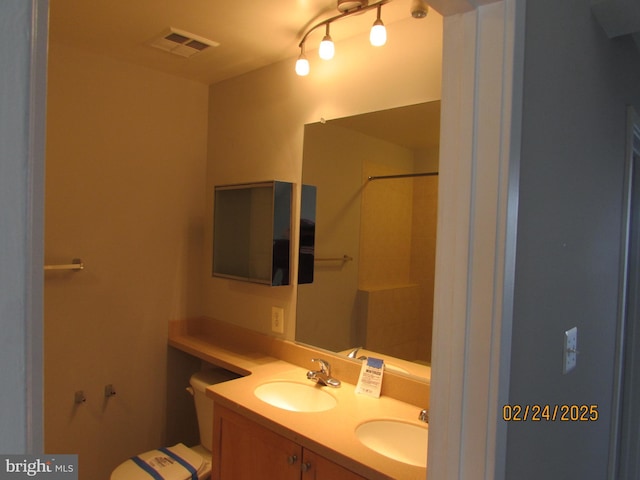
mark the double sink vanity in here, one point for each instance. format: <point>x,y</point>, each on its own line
<point>276,421</point>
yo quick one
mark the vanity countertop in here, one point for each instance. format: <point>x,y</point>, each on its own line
<point>330,433</point>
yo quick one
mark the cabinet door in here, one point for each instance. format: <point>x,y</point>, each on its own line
<point>315,467</point>
<point>244,450</point>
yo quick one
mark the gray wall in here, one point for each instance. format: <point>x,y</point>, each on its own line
<point>22,94</point>
<point>577,85</point>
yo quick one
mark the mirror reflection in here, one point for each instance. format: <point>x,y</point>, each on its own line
<point>376,198</point>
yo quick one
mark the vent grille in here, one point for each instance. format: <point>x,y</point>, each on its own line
<point>182,43</point>
<point>198,45</point>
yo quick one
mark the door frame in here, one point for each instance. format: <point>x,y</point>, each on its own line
<point>22,134</point>
<point>622,396</point>
<point>477,227</point>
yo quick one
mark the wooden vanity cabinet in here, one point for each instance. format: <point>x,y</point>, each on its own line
<point>315,467</point>
<point>245,450</point>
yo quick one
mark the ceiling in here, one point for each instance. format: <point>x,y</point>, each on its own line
<point>251,33</point>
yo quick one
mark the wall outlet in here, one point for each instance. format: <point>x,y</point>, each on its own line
<point>570,357</point>
<point>277,319</point>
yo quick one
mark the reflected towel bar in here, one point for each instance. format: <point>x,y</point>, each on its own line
<point>76,264</point>
<point>344,258</point>
<point>404,175</point>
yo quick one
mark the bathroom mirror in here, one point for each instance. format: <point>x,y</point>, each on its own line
<point>252,224</point>
<point>374,237</point>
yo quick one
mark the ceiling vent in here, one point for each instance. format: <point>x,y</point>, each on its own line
<point>182,43</point>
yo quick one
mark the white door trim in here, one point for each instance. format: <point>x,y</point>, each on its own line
<point>23,54</point>
<point>620,397</point>
<point>475,265</point>
<point>35,225</point>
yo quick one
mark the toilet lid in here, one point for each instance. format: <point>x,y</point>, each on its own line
<point>172,463</point>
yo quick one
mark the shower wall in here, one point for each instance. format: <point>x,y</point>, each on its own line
<point>397,260</point>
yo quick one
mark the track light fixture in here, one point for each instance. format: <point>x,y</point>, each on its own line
<point>419,9</point>
<point>377,37</point>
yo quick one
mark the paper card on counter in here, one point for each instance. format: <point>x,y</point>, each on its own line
<point>370,379</point>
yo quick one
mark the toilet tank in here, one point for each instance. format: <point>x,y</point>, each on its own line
<point>204,405</point>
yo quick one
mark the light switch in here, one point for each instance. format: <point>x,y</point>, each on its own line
<point>570,357</point>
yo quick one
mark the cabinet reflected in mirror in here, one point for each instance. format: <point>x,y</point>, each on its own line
<point>374,238</point>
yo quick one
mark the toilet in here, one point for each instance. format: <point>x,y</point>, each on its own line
<point>180,462</point>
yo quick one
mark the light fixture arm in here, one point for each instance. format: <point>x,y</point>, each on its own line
<point>341,16</point>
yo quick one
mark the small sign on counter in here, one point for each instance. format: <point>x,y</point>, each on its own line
<point>370,379</point>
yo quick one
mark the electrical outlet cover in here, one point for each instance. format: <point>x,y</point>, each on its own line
<point>277,319</point>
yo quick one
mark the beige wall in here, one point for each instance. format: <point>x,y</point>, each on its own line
<point>126,155</point>
<point>256,132</point>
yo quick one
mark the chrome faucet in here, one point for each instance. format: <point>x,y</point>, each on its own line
<point>323,376</point>
<point>354,354</point>
<point>424,416</point>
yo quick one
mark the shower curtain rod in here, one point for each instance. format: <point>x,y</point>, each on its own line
<point>404,175</point>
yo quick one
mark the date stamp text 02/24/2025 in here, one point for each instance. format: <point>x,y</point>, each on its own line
<point>550,413</point>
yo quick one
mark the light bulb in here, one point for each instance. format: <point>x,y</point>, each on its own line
<point>302,66</point>
<point>378,35</point>
<point>327,49</point>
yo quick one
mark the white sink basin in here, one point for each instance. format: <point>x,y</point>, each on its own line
<point>404,442</point>
<point>295,397</point>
